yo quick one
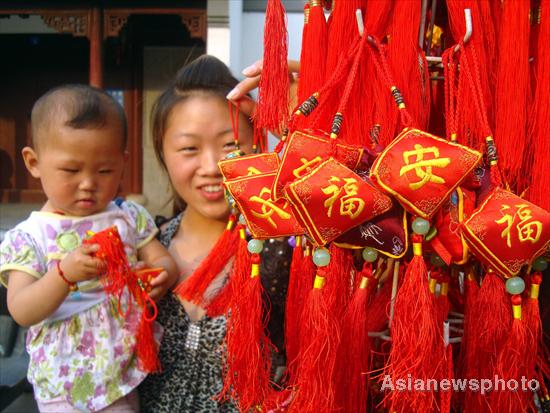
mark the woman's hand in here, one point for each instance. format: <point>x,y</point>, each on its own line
<point>252,80</point>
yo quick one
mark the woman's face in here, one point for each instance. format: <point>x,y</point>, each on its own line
<point>198,135</point>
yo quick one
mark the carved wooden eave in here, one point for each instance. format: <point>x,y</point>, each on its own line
<point>193,19</point>
<point>76,23</point>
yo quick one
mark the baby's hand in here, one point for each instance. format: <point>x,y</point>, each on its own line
<point>160,285</point>
<point>81,265</point>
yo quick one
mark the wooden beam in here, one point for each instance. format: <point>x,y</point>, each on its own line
<point>96,48</point>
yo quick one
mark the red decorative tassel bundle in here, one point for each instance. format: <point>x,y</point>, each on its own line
<point>511,102</point>
<point>314,50</point>
<point>221,303</point>
<point>298,284</point>
<point>118,276</point>
<point>354,351</point>
<point>317,356</point>
<point>193,288</point>
<point>248,363</point>
<point>512,363</point>
<point>414,329</point>
<point>540,113</point>
<point>272,108</point>
<point>487,330</point>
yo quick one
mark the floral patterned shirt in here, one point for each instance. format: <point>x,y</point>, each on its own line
<point>84,352</point>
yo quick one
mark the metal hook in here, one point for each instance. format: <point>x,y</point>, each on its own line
<point>469,27</point>
<point>465,39</point>
<point>360,25</point>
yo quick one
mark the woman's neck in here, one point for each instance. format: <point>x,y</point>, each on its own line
<point>198,228</point>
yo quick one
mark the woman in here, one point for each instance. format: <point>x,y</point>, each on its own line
<point>192,131</point>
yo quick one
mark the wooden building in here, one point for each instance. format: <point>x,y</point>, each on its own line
<point>129,48</point>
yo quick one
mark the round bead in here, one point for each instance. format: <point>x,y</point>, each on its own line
<point>515,285</point>
<point>370,254</point>
<point>420,226</point>
<point>234,154</point>
<point>242,221</point>
<point>540,264</point>
<point>437,261</point>
<point>255,246</point>
<point>292,241</point>
<point>321,257</point>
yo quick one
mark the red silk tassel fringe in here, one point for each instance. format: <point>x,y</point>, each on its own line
<point>272,109</point>
<point>248,362</point>
<point>414,329</point>
<point>193,288</point>
<point>540,114</point>
<point>316,361</point>
<point>354,350</point>
<point>239,273</point>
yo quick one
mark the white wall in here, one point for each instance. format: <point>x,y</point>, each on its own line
<point>247,36</point>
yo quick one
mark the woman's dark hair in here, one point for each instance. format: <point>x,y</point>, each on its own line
<point>205,75</point>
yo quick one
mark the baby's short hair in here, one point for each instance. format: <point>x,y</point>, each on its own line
<point>80,107</point>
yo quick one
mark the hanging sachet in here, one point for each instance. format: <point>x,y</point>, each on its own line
<point>237,166</point>
<point>264,216</point>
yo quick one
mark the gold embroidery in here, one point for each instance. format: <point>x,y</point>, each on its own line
<point>423,167</point>
<point>528,229</point>
<point>253,171</point>
<point>307,166</point>
<point>349,205</point>
<point>268,207</point>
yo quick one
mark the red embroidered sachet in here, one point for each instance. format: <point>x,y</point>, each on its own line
<point>304,151</point>
<point>332,199</point>
<point>507,232</point>
<point>265,217</point>
<point>422,170</point>
<point>245,165</point>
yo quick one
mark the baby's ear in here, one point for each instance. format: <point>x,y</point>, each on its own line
<point>31,161</point>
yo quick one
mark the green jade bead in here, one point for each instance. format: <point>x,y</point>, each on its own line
<point>515,285</point>
<point>255,246</point>
<point>370,254</point>
<point>420,226</point>
<point>540,264</point>
<point>321,257</point>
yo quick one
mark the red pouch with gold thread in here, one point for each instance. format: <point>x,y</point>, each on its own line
<point>507,232</point>
<point>332,199</point>
<point>304,151</point>
<point>245,165</point>
<point>422,170</point>
<point>265,217</point>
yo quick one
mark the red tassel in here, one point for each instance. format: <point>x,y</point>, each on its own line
<point>471,290</point>
<point>147,347</point>
<point>317,356</point>
<point>540,113</point>
<point>117,274</point>
<point>531,317</point>
<point>354,351</point>
<point>238,276</point>
<point>414,330</point>
<point>193,288</point>
<point>314,51</point>
<point>298,284</point>
<point>379,309</point>
<point>511,102</point>
<point>512,364</point>
<point>446,395</point>
<point>487,330</point>
<point>248,362</point>
<point>272,108</point>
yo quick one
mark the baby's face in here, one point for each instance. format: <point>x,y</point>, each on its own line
<point>80,169</point>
